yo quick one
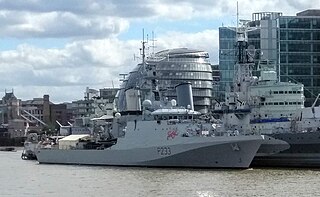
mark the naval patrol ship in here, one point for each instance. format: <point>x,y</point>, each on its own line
<point>155,133</point>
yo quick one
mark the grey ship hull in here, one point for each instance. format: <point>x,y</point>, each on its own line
<point>233,153</point>
<point>271,146</point>
<point>304,151</point>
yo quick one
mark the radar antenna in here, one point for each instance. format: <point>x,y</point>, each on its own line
<point>143,49</point>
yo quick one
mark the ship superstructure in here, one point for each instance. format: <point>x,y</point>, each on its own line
<point>261,104</point>
<point>155,132</point>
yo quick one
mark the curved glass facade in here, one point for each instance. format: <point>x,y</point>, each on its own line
<point>172,68</point>
<point>175,66</point>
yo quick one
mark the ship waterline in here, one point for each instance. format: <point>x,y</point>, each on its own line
<point>304,151</point>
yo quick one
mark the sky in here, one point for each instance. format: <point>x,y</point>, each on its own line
<point>60,47</point>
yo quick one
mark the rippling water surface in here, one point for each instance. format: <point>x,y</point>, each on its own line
<point>28,178</point>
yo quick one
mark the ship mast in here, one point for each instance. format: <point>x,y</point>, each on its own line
<point>143,49</point>
<point>149,73</point>
<point>244,62</point>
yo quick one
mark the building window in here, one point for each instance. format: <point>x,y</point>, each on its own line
<point>298,58</point>
<point>283,35</point>
<point>299,70</point>
<point>299,23</point>
<point>299,47</point>
<point>316,59</point>
<point>316,23</point>
<point>283,22</point>
<point>316,47</point>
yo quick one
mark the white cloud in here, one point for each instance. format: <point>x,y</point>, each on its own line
<point>59,25</point>
<point>105,18</point>
<point>85,63</point>
<point>94,54</point>
<point>207,40</point>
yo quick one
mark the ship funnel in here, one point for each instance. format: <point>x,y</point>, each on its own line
<point>133,99</point>
<point>184,95</point>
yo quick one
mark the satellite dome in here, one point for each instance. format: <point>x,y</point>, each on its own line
<point>147,103</point>
<point>117,115</point>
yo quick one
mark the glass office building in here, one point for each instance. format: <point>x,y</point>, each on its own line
<point>262,37</point>
<point>227,59</point>
<point>299,51</point>
<point>291,41</point>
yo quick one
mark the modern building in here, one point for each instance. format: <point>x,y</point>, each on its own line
<point>227,59</point>
<point>291,41</point>
<point>173,67</point>
<point>299,46</point>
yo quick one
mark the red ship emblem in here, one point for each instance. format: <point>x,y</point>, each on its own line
<point>171,134</point>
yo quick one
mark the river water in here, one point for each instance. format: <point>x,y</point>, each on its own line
<point>28,178</point>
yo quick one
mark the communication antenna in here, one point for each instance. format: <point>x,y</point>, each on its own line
<point>237,15</point>
<point>153,43</point>
<point>143,49</point>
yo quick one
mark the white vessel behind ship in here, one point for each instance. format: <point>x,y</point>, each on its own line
<point>264,105</point>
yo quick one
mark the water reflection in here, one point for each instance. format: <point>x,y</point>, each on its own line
<point>27,178</point>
